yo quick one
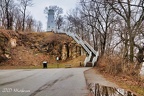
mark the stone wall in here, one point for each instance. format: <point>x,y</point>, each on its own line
<point>71,50</point>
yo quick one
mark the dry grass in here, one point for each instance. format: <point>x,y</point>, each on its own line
<point>9,33</point>
<point>116,65</point>
<point>22,56</point>
<point>76,62</point>
<point>45,37</point>
<point>122,73</point>
<point>37,63</point>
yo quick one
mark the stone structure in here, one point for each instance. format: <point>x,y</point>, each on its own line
<point>51,21</point>
<point>64,53</point>
<point>71,50</point>
<point>13,42</point>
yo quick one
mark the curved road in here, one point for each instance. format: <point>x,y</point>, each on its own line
<point>43,82</point>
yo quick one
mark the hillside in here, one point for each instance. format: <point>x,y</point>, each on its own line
<point>31,49</point>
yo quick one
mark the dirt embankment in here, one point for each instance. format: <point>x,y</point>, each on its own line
<point>7,42</point>
<point>31,49</point>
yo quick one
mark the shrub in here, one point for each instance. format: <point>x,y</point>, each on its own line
<point>116,65</point>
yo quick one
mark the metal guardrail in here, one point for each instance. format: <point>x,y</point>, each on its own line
<point>88,48</point>
<point>76,39</point>
<point>87,59</point>
<point>94,60</point>
<point>82,42</point>
<point>91,48</point>
<point>79,41</point>
<point>88,45</point>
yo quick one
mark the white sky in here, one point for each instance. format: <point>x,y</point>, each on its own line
<point>37,11</point>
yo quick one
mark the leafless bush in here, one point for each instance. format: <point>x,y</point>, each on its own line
<point>116,65</point>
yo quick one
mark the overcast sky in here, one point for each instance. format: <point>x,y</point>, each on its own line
<point>37,11</point>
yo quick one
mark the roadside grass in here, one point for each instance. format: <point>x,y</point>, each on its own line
<point>132,87</point>
<point>138,90</point>
<point>122,73</point>
<point>41,67</point>
<point>55,65</point>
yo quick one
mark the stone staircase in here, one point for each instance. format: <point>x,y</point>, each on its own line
<point>92,55</point>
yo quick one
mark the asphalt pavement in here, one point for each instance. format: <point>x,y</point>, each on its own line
<point>43,82</point>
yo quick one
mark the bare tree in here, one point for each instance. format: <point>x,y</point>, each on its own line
<point>104,20</point>
<point>17,19</point>
<point>1,12</point>
<point>29,24</point>
<point>59,22</point>
<point>98,15</point>
<point>24,4</point>
<point>14,16</point>
<point>76,24</point>
<point>7,7</point>
<point>132,13</point>
<point>39,26</point>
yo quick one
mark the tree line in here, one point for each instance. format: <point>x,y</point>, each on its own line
<point>114,27</point>
<point>14,15</point>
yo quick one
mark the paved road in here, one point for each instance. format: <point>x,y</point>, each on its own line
<point>43,82</point>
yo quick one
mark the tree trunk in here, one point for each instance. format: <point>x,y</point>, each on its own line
<point>7,17</point>
<point>131,49</point>
<point>23,24</point>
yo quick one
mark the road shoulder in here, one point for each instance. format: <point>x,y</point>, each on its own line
<point>93,76</point>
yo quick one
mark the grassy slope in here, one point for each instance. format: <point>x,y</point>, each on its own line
<point>24,57</point>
